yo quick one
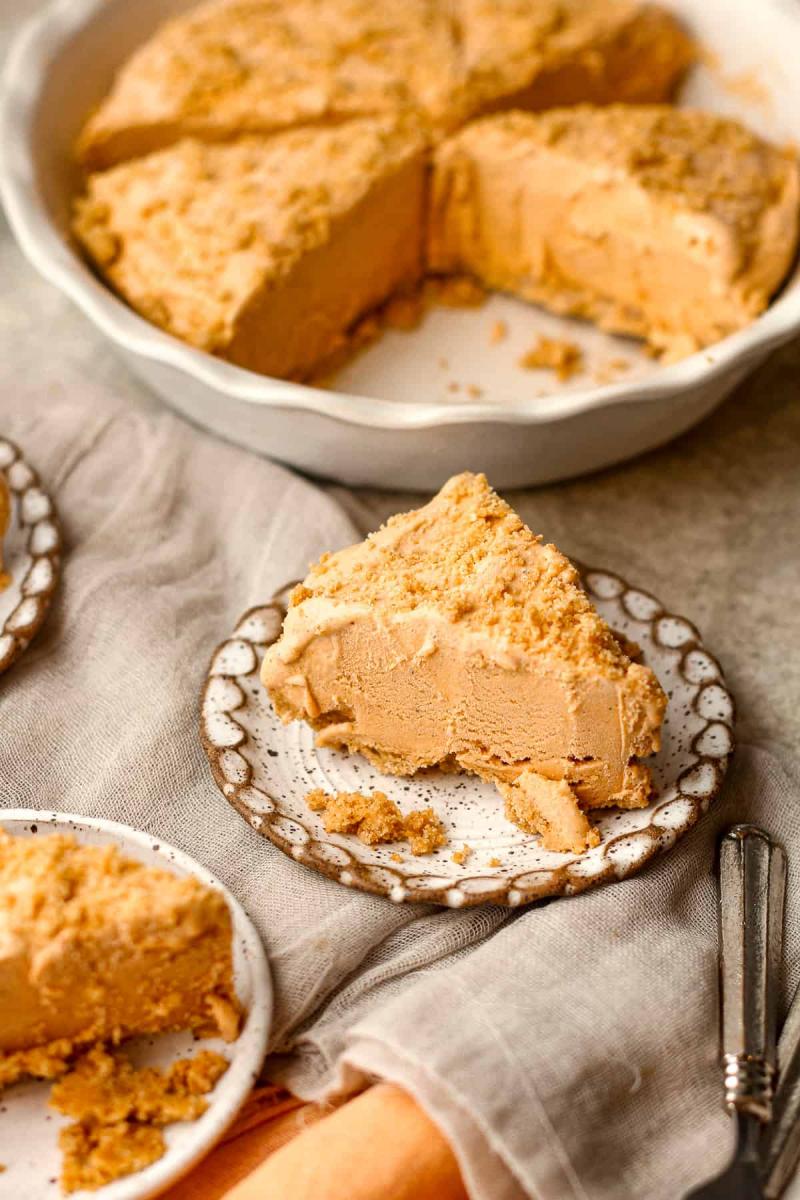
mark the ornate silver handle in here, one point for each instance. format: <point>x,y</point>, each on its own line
<point>752,885</point>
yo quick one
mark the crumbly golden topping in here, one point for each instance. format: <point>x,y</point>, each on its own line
<point>461,856</point>
<point>708,163</point>
<point>554,354</point>
<point>507,45</point>
<point>118,1112</point>
<point>238,66</point>
<point>193,232</point>
<point>376,819</point>
<point>235,66</point>
<point>424,831</point>
<point>53,888</point>
<point>470,556</point>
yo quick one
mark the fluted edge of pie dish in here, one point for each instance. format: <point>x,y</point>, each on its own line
<point>39,521</point>
<point>24,74</point>
<point>621,856</point>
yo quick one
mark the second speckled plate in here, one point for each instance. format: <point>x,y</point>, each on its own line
<point>31,555</point>
<point>266,769</point>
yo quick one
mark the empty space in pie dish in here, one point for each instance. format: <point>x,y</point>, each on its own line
<point>266,770</point>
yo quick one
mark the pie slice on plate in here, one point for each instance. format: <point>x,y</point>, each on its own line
<point>97,947</point>
<point>454,638</point>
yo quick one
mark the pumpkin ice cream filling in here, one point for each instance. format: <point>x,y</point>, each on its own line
<point>670,224</point>
<point>263,251</point>
<point>453,637</point>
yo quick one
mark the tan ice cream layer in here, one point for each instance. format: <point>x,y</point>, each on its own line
<point>232,67</point>
<point>454,637</point>
<point>263,251</point>
<point>95,946</point>
<point>666,223</point>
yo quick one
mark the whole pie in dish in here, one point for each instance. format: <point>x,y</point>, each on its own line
<point>259,175</point>
<point>260,179</point>
<point>453,637</point>
<point>96,947</point>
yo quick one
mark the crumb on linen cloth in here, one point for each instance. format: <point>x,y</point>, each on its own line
<point>461,856</point>
<point>376,818</point>
<point>554,354</point>
<point>118,1112</point>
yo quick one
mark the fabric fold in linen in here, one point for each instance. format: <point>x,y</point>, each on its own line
<point>575,1049</point>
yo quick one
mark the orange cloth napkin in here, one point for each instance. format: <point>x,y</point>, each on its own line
<point>380,1146</point>
<point>270,1118</point>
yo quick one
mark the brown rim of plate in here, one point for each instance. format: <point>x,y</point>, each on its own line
<point>39,519</point>
<point>697,785</point>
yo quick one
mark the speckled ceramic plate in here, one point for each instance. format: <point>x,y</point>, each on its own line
<point>31,555</point>
<point>266,769</point>
<point>29,1129</point>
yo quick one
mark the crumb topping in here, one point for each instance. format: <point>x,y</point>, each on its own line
<point>118,1112</point>
<point>376,819</point>
<point>710,164</point>
<point>461,856</point>
<point>554,354</point>
<point>53,888</point>
<point>257,65</point>
<point>470,556</point>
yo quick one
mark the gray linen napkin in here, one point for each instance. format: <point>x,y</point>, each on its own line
<point>567,1050</point>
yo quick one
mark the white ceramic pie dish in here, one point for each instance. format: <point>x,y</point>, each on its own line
<point>418,406</point>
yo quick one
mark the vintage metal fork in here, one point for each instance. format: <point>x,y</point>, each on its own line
<point>752,881</point>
